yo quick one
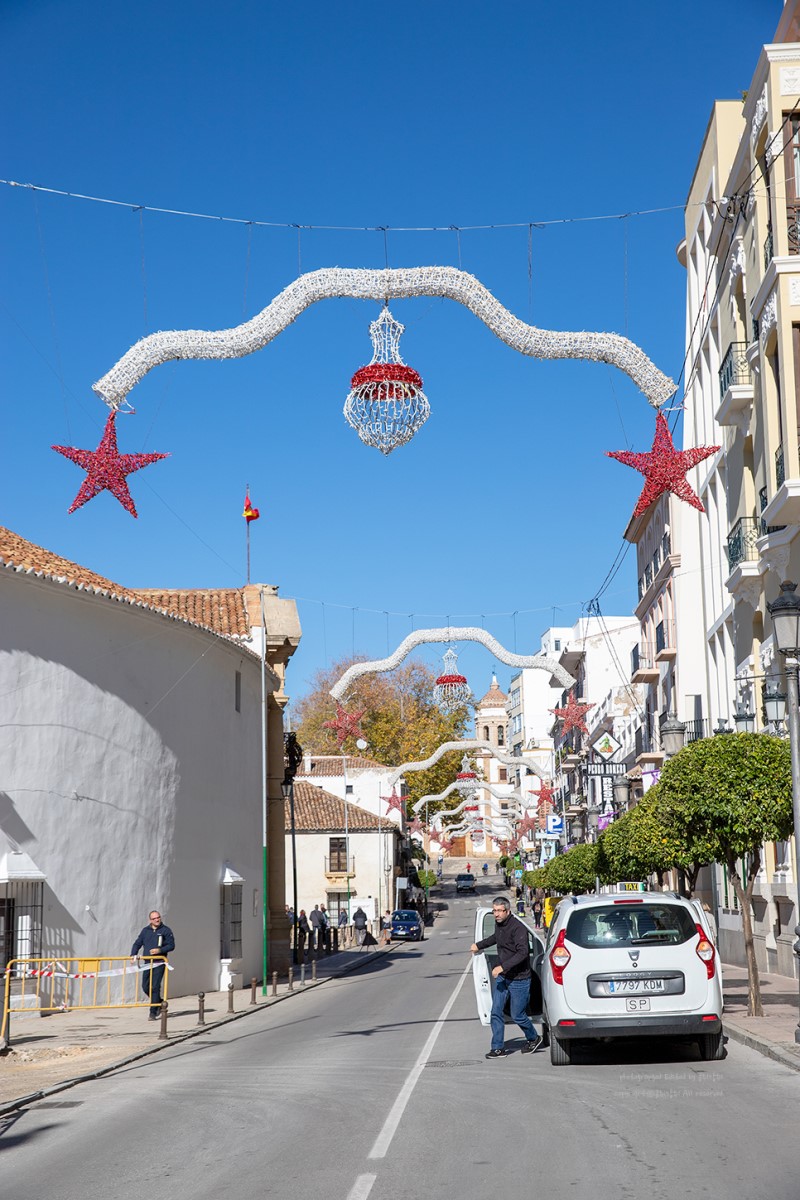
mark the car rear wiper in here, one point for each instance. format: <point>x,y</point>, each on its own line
<point>657,935</point>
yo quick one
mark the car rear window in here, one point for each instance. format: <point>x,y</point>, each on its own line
<point>465,878</point>
<point>630,925</point>
<point>405,915</point>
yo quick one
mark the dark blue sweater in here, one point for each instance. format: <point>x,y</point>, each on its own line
<point>154,941</point>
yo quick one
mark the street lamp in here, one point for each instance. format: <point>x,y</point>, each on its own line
<point>744,720</point>
<point>293,757</point>
<point>775,706</point>
<point>785,613</point>
<point>576,829</point>
<point>621,789</point>
<point>673,735</point>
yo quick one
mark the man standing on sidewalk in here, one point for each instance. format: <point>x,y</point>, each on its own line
<point>512,978</point>
<point>156,940</point>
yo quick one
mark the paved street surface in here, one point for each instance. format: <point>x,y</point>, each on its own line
<point>375,1085</point>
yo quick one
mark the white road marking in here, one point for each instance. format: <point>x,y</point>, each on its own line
<point>384,1138</point>
<point>362,1187</point>
<point>462,931</point>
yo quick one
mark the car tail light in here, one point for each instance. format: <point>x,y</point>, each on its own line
<point>559,958</point>
<point>705,951</point>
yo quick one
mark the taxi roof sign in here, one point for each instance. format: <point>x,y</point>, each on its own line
<point>631,886</point>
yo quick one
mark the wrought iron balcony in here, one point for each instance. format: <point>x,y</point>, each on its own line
<point>665,639</point>
<point>338,864</point>
<point>763,526</point>
<point>793,226</point>
<point>666,547</point>
<point>696,729</point>
<point>741,545</point>
<point>769,248</point>
<point>735,368</point>
<point>780,470</point>
<point>643,663</point>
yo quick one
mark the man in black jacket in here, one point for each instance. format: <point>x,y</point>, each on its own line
<point>155,940</point>
<point>512,978</point>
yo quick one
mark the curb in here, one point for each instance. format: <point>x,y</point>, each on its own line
<point>763,1046</point>
<point>12,1105</point>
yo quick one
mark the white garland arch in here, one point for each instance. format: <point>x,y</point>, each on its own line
<point>513,811</point>
<point>461,633</point>
<point>507,760</point>
<point>458,786</point>
<point>360,284</point>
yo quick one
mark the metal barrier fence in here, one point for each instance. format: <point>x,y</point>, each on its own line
<point>39,985</point>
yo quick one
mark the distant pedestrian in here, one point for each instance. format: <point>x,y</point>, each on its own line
<point>342,918</point>
<point>536,910</point>
<point>318,925</point>
<point>386,927</point>
<point>325,928</point>
<point>155,941</point>
<point>360,924</point>
<point>512,978</point>
<point>469,869</point>
<point>303,932</point>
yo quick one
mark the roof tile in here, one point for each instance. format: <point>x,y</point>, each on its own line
<point>316,810</point>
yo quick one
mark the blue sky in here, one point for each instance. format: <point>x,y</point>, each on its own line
<point>352,114</point>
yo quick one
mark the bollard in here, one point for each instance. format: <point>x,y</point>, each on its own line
<point>291,979</point>
<point>313,972</point>
<point>335,938</point>
<point>253,984</point>
<point>230,997</point>
<point>162,1033</point>
<point>201,1008</point>
<point>274,983</point>
<point>302,975</point>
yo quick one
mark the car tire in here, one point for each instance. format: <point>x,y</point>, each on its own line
<point>560,1052</point>
<point>711,1046</point>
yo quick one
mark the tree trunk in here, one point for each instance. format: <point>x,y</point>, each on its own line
<point>691,878</point>
<point>754,1006</point>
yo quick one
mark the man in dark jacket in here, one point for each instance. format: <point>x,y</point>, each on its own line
<point>512,978</point>
<point>155,941</point>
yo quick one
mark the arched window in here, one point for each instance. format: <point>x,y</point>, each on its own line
<point>501,736</point>
<point>486,733</point>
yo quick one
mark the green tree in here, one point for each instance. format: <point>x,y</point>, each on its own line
<point>427,879</point>
<point>401,724</point>
<point>575,871</point>
<point>647,841</point>
<point>727,795</point>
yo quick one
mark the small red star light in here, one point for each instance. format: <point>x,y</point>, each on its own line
<point>572,715</point>
<point>526,825</point>
<point>106,469</point>
<point>346,724</point>
<point>394,802</point>
<point>544,796</point>
<point>416,826</point>
<point>664,467</point>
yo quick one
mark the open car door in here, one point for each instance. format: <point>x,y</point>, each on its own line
<point>483,964</point>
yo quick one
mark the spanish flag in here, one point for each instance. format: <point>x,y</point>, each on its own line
<point>250,513</point>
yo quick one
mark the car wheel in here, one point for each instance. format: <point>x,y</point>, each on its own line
<point>560,1052</point>
<point>711,1046</point>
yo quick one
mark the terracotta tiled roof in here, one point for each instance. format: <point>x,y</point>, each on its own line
<point>316,810</point>
<point>494,698</point>
<point>330,766</point>
<point>220,609</point>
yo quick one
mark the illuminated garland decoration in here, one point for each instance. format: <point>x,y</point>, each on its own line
<point>403,283</point>
<point>345,724</point>
<point>507,760</point>
<point>664,468</point>
<point>386,404</point>
<point>451,690</point>
<point>464,633</point>
<point>572,714</point>
<point>106,469</point>
<point>513,811</point>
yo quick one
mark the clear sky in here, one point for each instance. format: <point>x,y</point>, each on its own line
<point>425,114</point>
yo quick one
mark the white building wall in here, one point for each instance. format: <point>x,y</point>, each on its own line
<point>372,853</point>
<point>128,775</point>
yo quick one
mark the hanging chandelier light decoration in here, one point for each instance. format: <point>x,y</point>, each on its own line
<point>466,779</point>
<point>386,404</point>
<point>451,690</point>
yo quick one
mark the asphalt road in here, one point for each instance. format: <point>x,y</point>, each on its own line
<point>375,1086</point>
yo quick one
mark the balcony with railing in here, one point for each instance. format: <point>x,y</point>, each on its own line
<point>793,226</point>
<point>735,384</point>
<point>764,529</point>
<point>644,668</point>
<point>784,506</point>
<point>665,641</point>
<point>339,864</point>
<point>769,248</point>
<point>647,743</point>
<point>780,468</point>
<point>741,544</point>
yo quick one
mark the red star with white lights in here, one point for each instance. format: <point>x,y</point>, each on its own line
<point>572,714</point>
<point>416,826</point>
<point>396,802</point>
<point>106,469</point>
<point>544,796</point>
<point>526,825</point>
<point>664,467</point>
<point>346,724</point>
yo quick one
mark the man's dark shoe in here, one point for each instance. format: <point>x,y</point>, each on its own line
<point>531,1046</point>
<point>496,1054</point>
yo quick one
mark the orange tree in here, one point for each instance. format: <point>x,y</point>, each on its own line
<point>726,796</point>
<point>401,724</point>
<point>574,871</point>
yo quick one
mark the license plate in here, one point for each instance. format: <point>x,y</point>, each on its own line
<point>637,1004</point>
<point>618,987</point>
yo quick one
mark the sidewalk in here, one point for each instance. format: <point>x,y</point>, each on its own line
<point>772,1034</point>
<point>52,1052</point>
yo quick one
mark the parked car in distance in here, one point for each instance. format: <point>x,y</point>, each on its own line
<point>483,963</point>
<point>407,925</point>
<point>465,883</point>
<point>618,965</point>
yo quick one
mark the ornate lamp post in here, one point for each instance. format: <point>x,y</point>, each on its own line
<point>293,757</point>
<point>775,706</point>
<point>673,735</point>
<point>785,613</point>
<point>743,719</point>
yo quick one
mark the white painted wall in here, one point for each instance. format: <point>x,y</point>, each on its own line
<point>127,774</point>
<point>371,851</point>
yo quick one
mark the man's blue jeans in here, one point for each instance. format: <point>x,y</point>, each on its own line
<point>519,990</point>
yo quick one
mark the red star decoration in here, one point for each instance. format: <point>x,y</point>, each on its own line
<point>544,796</point>
<point>395,801</point>
<point>445,842</point>
<point>572,715</point>
<point>106,468</point>
<point>346,724</point>
<point>526,825</point>
<point>664,467</point>
<point>416,826</point>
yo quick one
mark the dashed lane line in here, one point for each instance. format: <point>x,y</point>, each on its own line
<point>362,1187</point>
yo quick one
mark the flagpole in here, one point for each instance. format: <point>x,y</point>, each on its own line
<point>247,523</point>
